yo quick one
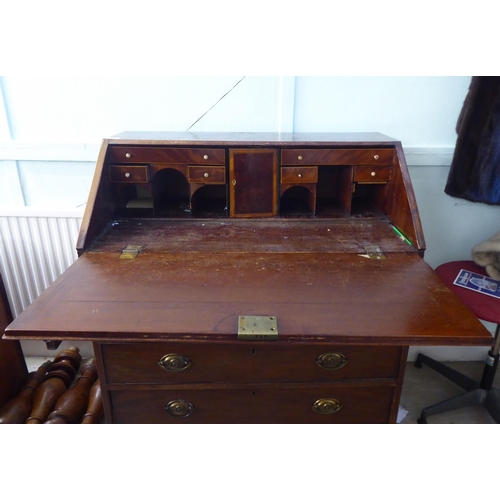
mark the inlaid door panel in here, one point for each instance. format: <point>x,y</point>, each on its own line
<point>253,182</point>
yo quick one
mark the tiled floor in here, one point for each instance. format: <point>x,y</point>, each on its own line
<point>423,387</point>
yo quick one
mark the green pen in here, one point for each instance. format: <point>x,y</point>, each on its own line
<point>401,235</point>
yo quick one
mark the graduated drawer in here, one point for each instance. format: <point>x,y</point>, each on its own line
<point>128,173</point>
<point>299,175</point>
<point>372,174</point>
<point>207,175</point>
<point>337,156</point>
<point>255,403</point>
<point>134,154</point>
<point>138,363</point>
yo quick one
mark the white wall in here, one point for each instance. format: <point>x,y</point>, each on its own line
<point>86,109</point>
<point>51,128</point>
<point>419,111</point>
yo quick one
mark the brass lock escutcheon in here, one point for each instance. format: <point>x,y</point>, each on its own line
<point>179,408</point>
<point>327,406</point>
<point>174,362</point>
<point>331,360</point>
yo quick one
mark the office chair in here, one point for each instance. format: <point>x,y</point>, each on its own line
<point>486,308</point>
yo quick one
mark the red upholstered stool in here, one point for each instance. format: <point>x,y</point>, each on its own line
<point>486,308</point>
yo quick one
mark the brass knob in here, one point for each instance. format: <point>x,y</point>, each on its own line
<point>127,174</point>
<point>205,174</point>
<point>128,155</point>
<point>300,175</point>
<point>327,406</point>
<point>376,157</point>
<point>174,362</point>
<point>205,157</point>
<point>373,174</point>
<point>179,408</point>
<point>331,360</point>
<point>300,157</point>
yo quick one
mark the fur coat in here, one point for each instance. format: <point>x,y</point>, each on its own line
<point>475,169</point>
<point>487,255</point>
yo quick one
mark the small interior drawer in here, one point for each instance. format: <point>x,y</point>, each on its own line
<point>299,175</point>
<point>243,361</point>
<point>129,173</point>
<point>338,156</point>
<point>199,156</point>
<point>207,175</point>
<point>371,175</point>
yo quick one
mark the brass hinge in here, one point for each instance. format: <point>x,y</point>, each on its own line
<point>373,252</point>
<point>257,328</point>
<point>130,252</point>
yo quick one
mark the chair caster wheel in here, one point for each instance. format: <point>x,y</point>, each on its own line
<point>422,420</point>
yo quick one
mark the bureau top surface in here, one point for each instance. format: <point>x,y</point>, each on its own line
<point>198,292</point>
<point>252,138</point>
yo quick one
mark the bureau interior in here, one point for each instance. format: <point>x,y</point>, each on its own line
<point>187,190</point>
<point>261,179</point>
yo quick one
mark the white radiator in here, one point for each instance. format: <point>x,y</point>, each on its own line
<point>35,248</point>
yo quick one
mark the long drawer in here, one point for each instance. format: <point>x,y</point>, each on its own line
<point>260,403</point>
<point>239,361</point>
<point>337,156</point>
<point>199,156</point>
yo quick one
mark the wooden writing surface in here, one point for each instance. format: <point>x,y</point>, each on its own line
<point>349,297</point>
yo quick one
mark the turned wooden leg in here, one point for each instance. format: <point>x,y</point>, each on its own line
<point>70,407</point>
<point>18,409</point>
<point>57,381</point>
<point>95,408</point>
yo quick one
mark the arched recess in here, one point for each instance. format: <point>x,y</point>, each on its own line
<point>298,200</point>
<point>208,200</point>
<point>171,193</point>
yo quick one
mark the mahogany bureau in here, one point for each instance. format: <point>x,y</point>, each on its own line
<point>251,278</point>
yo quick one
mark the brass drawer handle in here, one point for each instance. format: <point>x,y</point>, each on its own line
<point>327,406</point>
<point>128,155</point>
<point>179,408</point>
<point>331,360</point>
<point>174,362</point>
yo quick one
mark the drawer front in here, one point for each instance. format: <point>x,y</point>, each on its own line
<point>260,403</point>
<point>369,175</point>
<point>207,175</point>
<point>299,175</point>
<point>246,361</point>
<point>128,173</point>
<point>201,156</point>
<point>337,156</point>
